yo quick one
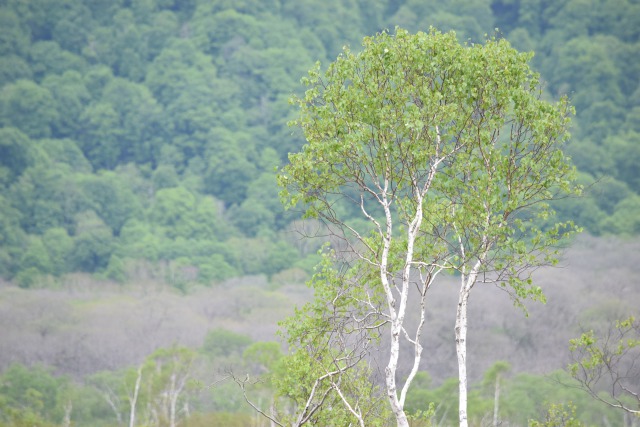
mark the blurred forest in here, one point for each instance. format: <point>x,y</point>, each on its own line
<point>138,204</point>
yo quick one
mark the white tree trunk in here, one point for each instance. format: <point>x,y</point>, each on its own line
<point>467,282</point>
<point>461,350</point>
<point>397,314</point>
<point>175,389</point>
<point>66,421</point>
<point>390,374</point>
<point>133,399</point>
<point>173,400</point>
<point>111,399</point>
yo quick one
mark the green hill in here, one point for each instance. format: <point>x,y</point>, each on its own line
<point>138,134</point>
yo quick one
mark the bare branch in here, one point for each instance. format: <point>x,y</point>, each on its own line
<point>241,383</point>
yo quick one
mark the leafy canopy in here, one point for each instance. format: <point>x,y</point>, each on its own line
<point>458,134</point>
<point>424,155</point>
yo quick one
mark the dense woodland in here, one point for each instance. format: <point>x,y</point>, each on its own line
<point>138,145</point>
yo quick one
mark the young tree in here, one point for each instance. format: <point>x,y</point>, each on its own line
<point>607,366</point>
<point>424,156</point>
<point>171,370</point>
<point>493,377</point>
<point>122,392</point>
<point>558,416</point>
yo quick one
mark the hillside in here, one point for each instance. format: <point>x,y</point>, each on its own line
<point>144,135</point>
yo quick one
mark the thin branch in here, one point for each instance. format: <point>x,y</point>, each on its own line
<point>241,384</point>
<point>346,403</point>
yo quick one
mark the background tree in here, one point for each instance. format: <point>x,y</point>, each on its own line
<point>493,378</point>
<point>607,365</point>
<point>170,370</point>
<point>70,96</point>
<point>31,396</point>
<point>558,416</point>
<point>15,154</point>
<point>28,107</point>
<point>450,155</point>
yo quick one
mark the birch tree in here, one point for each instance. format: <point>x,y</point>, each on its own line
<point>170,370</point>
<point>425,157</point>
<point>493,377</point>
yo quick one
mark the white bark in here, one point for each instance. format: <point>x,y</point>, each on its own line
<point>353,411</point>
<point>467,282</point>
<point>461,351</point>
<point>397,315</point>
<point>176,386</point>
<point>114,403</point>
<point>66,421</point>
<point>173,400</point>
<point>133,399</point>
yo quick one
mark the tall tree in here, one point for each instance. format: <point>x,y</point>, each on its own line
<point>425,156</point>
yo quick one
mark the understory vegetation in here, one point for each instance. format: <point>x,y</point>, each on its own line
<point>78,346</point>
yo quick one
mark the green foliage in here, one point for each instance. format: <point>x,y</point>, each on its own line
<point>15,154</point>
<point>48,58</point>
<point>626,155</point>
<point>47,197</point>
<point>158,387</point>
<point>93,243</point>
<point>624,220</point>
<point>70,96</point>
<point>264,356</point>
<point>382,123</point>
<point>14,68</point>
<point>224,343</point>
<point>219,419</point>
<point>321,375</point>
<point>31,396</point>
<point>605,364</point>
<point>449,155</point>
<point>524,398</point>
<point>11,237</point>
<point>558,416</point>
<point>15,34</point>
<point>179,212</point>
<point>202,87</point>
<point>110,195</point>
<point>28,107</point>
<point>228,170</point>
<point>34,396</point>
